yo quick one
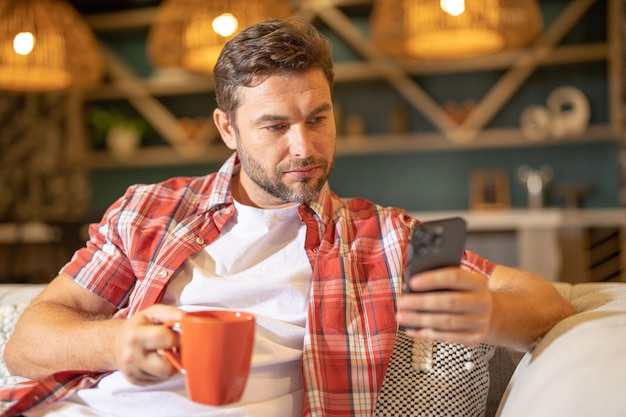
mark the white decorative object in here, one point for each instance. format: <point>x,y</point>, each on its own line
<point>535,122</point>
<point>570,111</point>
<point>535,181</point>
<point>567,113</point>
<point>123,142</point>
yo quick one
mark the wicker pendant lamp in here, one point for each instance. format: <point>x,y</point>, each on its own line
<point>45,45</point>
<point>449,29</point>
<point>521,22</point>
<point>191,33</point>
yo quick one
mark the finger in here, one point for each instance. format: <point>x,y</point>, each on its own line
<point>161,313</point>
<point>155,337</point>
<point>446,279</point>
<point>441,301</point>
<point>143,378</point>
<point>443,322</point>
<point>158,366</point>
<point>469,339</point>
<point>152,368</point>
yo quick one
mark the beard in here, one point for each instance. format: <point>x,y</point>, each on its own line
<point>302,191</point>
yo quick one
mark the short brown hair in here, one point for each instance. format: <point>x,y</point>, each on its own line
<point>266,48</point>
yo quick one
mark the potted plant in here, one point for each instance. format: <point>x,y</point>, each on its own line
<point>120,132</point>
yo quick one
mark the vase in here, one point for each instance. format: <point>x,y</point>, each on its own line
<point>122,142</point>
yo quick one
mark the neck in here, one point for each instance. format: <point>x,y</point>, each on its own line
<point>243,197</point>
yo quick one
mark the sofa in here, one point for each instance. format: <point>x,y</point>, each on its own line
<point>578,369</point>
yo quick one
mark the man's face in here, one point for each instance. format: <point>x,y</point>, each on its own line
<point>285,137</point>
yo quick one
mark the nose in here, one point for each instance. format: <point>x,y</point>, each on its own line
<point>301,141</point>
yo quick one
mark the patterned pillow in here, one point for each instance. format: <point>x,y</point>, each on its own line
<point>9,314</point>
<point>435,379</point>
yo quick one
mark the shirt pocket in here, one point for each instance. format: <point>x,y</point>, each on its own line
<point>355,296</point>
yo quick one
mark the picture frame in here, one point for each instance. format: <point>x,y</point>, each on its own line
<point>489,189</point>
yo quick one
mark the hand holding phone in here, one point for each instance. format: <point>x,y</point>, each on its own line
<point>435,244</point>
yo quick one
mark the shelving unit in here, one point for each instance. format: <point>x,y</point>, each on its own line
<point>517,67</point>
<point>560,244</point>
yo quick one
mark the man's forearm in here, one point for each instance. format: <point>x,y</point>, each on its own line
<point>51,337</point>
<point>525,308</point>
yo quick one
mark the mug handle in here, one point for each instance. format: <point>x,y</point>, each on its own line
<point>172,354</point>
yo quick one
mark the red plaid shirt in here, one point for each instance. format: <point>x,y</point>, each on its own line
<point>357,251</point>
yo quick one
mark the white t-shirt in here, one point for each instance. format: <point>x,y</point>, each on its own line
<point>258,264</point>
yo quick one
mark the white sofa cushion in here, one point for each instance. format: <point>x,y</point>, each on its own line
<point>578,369</point>
<point>16,293</point>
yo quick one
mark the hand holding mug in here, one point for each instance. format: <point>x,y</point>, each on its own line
<point>140,339</point>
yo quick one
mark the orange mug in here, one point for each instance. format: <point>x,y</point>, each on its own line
<point>214,354</point>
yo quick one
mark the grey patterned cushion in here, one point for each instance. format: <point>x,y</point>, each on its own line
<point>435,379</point>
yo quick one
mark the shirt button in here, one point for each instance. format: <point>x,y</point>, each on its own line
<point>199,240</point>
<point>162,274</point>
<point>227,210</point>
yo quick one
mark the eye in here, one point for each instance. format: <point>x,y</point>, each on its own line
<point>317,120</point>
<point>278,127</point>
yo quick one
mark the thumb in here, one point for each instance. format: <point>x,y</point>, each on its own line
<point>161,313</point>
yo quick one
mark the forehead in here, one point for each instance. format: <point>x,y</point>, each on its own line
<point>283,87</point>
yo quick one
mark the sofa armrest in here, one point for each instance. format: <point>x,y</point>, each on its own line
<point>504,362</point>
<point>578,368</point>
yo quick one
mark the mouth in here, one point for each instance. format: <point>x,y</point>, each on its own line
<point>304,172</point>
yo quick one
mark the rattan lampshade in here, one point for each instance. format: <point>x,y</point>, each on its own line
<point>45,45</point>
<point>184,34</point>
<point>521,22</point>
<point>448,29</point>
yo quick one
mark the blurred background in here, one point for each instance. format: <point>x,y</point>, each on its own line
<point>509,113</point>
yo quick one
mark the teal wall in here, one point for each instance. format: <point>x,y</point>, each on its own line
<point>439,180</point>
<point>424,180</point>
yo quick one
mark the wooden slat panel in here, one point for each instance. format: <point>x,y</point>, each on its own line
<point>605,254</point>
<point>607,270</point>
<point>605,249</point>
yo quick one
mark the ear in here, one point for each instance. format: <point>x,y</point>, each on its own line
<point>227,131</point>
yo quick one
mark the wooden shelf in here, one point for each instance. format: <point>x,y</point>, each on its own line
<point>359,145</point>
<point>187,83</point>
<point>162,155</point>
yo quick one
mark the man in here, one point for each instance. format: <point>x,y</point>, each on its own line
<point>266,235</point>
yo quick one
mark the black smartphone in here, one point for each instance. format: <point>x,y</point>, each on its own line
<point>435,244</point>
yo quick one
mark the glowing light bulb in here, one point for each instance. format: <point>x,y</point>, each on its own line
<point>23,43</point>
<point>453,7</point>
<point>225,24</point>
